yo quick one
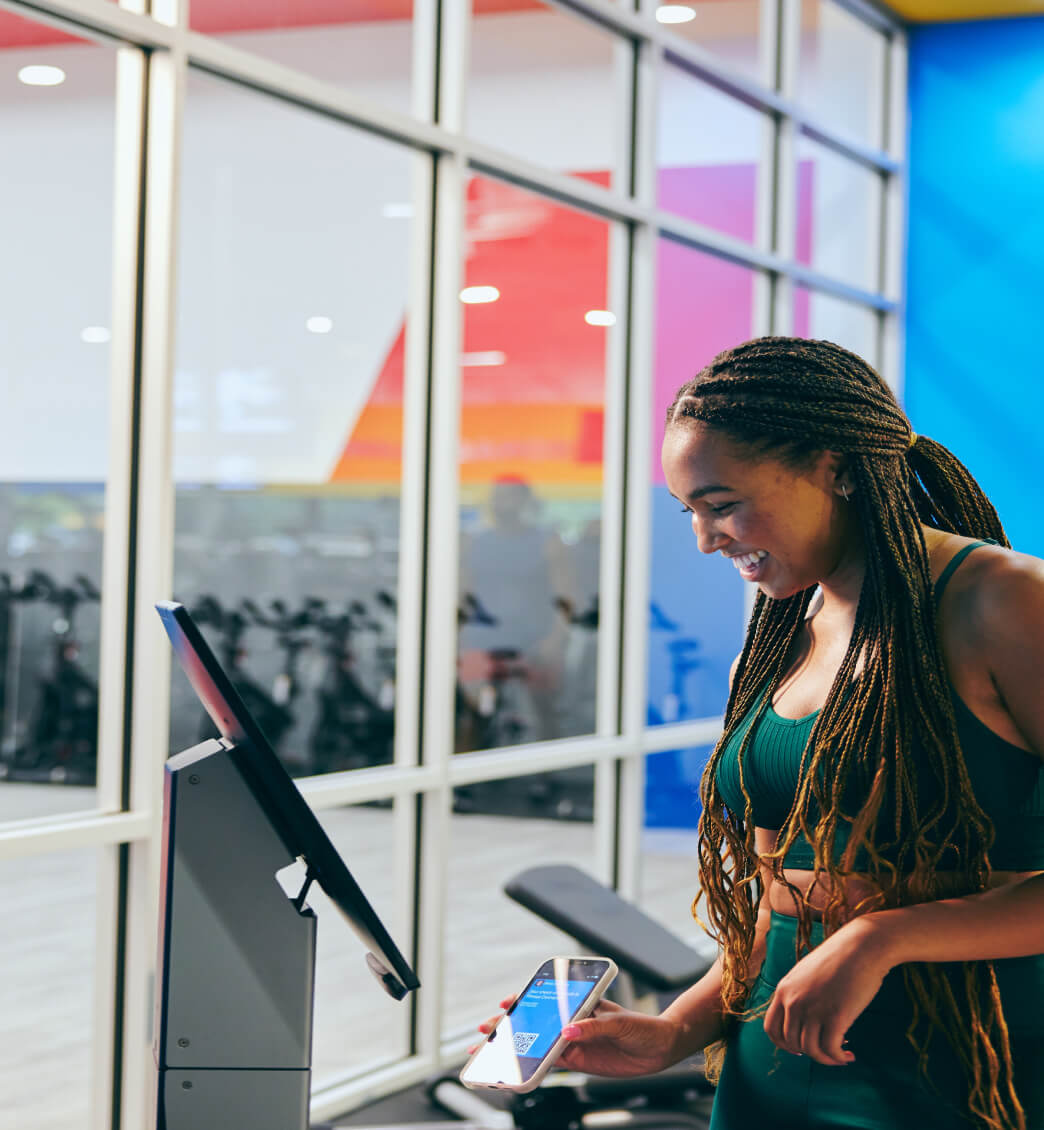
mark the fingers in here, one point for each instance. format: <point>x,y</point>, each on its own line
<point>807,1036</point>
<point>598,1026</point>
<point>831,1048</point>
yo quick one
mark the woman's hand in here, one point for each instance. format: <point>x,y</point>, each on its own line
<point>819,999</point>
<point>612,1041</point>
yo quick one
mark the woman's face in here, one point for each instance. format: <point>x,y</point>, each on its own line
<point>786,530</point>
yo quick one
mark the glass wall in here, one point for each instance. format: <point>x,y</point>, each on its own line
<point>532,421</point>
<point>288,418</point>
<point>730,29</point>
<point>492,943</point>
<point>357,336</point>
<point>549,87</point>
<point>709,156</point>
<point>46,997</point>
<point>57,99</point>
<point>365,46</point>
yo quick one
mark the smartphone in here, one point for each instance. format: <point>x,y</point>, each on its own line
<point>527,1040</point>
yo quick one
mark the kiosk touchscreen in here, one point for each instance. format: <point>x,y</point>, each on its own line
<point>233,1025</point>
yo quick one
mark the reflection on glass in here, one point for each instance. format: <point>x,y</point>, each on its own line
<point>549,86</point>
<point>288,420</point>
<point>356,1024</point>
<point>57,102</point>
<point>839,216</point>
<point>493,944</point>
<point>840,73</point>
<point>704,305</point>
<point>708,151</point>
<point>366,47</point>
<point>823,316</point>
<point>46,993</point>
<point>727,28</point>
<point>533,391</point>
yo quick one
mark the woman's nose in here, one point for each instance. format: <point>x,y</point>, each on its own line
<point>708,538</point>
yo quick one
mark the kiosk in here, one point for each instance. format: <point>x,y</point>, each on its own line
<point>236,969</point>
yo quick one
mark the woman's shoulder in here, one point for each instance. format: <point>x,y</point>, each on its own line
<point>992,631</point>
<point>993,585</point>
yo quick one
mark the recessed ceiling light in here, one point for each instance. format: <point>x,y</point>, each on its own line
<point>319,324</point>
<point>95,335</point>
<point>40,75</point>
<point>675,14</point>
<point>483,357</point>
<point>397,211</point>
<point>600,318</point>
<point>474,294</point>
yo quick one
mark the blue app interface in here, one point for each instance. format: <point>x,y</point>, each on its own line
<point>543,1011</point>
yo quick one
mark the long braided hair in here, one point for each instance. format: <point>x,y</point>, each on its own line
<point>889,738</point>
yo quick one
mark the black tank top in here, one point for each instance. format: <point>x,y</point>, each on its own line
<point>1008,782</point>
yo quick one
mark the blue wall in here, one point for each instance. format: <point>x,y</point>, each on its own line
<point>975,283</point>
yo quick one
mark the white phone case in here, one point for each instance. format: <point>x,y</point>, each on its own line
<point>557,1047</point>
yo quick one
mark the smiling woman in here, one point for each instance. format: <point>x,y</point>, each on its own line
<point>890,793</point>
<point>871,847</point>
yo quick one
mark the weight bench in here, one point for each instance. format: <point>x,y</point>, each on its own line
<point>652,960</point>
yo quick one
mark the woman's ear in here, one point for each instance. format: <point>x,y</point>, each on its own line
<point>835,467</point>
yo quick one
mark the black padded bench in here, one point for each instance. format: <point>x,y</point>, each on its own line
<point>610,926</point>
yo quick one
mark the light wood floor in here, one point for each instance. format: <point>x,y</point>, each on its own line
<point>47,945</point>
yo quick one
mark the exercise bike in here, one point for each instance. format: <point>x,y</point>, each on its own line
<point>275,718</point>
<point>353,730</point>
<point>63,732</point>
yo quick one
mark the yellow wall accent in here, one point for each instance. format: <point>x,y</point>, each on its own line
<point>927,10</point>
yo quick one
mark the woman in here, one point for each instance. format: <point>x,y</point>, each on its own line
<point>872,839</point>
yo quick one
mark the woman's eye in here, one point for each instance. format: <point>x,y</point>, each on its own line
<point>724,508</point>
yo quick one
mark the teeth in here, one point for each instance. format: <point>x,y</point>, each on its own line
<point>749,559</point>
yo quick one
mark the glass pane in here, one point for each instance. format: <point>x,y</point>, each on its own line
<point>363,45</point>
<point>728,28</point>
<point>708,153</point>
<point>696,616</point>
<point>57,104</point>
<point>46,992</point>
<point>823,316</point>
<point>492,943</point>
<point>536,338</point>
<point>839,216</point>
<point>669,860</point>
<point>550,87</point>
<point>293,288</point>
<point>840,75</point>
<point>357,1026</point>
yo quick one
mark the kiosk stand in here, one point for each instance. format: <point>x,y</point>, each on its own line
<point>234,1014</point>
<point>236,970</point>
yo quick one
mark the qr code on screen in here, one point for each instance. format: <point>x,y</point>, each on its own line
<point>524,1041</point>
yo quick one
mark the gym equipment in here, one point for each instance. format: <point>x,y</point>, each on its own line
<point>63,732</point>
<point>353,730</point>
<point>274,718</point>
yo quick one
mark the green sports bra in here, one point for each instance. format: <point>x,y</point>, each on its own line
<point>1008,782</point>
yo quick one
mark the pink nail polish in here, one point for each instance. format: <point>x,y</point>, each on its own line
<point>570,1031</point>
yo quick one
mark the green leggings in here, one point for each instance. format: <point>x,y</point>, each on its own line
<point>764,1088</point>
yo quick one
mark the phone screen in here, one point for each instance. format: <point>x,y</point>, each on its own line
<point>515,1048</point>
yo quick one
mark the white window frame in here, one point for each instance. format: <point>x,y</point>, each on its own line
<point>153,59</point>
